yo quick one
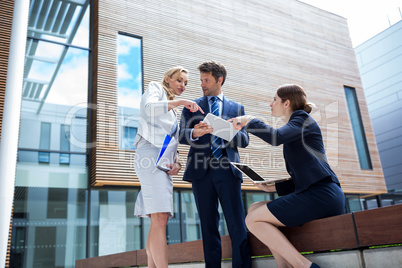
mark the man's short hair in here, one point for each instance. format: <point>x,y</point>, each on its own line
<point>215,68</point>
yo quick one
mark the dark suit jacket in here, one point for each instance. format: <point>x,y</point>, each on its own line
<point>200,151</point>
<point>303,150</point>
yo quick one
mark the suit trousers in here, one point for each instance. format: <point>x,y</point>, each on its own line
<point>219,184</point>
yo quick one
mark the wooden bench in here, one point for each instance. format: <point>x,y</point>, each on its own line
<point>359,230</point>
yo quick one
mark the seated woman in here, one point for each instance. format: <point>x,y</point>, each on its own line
<point>314,190</point>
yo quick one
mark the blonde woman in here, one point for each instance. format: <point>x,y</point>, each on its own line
<point>158,118</point>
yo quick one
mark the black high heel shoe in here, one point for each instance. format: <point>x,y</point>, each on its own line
<point>313,265</point>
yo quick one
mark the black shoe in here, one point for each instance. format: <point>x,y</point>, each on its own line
<point>313,265</point>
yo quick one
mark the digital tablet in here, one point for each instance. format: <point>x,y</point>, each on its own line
<point>254,176</point>
<point>222,128</point>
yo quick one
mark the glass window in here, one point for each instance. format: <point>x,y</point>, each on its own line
<point>190,219</point>
<point>60,21</point>
<point>64,144</point>
<point>49,217</point>
<point>173,231</point>
<point>44,144</point>
<point>191,226</point>
<point>57,203</point>
<point>129,135</point>
<point>353,203</point>
<point>130,85</point>
<point>46,231</point>
<point>114,228</point>
<point>253,197</point>
<point>358,129</point>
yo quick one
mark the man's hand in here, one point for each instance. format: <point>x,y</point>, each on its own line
<point>201,129</point>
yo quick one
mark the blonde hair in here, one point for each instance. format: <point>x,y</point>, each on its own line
<point>170,73</point>
<point>297,97</point>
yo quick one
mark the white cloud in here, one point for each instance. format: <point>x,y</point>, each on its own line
<point>71,85</point>
<point>126,43</point>
<point>123,72</point>
<point>129,97</point>
<point>139,78</point>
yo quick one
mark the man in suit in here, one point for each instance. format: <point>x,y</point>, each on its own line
<point>208,168</point>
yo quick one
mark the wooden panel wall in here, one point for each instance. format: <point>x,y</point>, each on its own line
<point>6,18</point>
<point>263,44</point>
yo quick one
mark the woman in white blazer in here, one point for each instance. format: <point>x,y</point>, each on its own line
<point>158,118</point>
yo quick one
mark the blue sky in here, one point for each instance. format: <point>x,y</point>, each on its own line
<point>129,71</point>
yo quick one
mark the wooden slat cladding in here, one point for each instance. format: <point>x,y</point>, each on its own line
<point>6,18</point>
<point>263,44</point>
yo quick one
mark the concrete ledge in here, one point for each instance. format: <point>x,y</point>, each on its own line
<point>347,259</point>
<point>369,258</point>
<point>383,257</point>
<point>353,233</point>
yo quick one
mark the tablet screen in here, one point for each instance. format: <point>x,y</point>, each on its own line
<point>249,172</point>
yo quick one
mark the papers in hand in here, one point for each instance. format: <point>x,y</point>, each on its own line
<point>167,153</point>
<point>222,128</point>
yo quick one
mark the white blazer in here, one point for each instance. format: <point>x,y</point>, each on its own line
<point>155,119</point>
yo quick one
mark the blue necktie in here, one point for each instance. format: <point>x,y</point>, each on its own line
<point>216,141</point>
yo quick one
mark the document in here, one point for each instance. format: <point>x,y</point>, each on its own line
<point>222,128</point>
<point>167,153</point>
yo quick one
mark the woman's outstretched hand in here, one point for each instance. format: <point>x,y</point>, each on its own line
<point>192,106</point>
<point>240,121</point>
<point>174,168</point>
<point>266,187</point>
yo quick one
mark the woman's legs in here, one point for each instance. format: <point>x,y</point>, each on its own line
<point>263,224</point>
<point>156,243</point>
<point>281,262</point>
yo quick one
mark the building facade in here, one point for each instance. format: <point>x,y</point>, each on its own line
<point>86,66</point>
<point>379,59</point>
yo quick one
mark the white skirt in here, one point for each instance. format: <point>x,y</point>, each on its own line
<point>156,193</point>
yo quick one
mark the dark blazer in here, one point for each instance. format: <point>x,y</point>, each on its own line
<point>200,151</point>
<point>303,150</point>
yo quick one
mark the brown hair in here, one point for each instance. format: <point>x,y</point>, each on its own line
<point>215,68</point>
<point>175,70</point>
<point>297,97</point>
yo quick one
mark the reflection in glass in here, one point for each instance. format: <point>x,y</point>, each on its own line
<point>129,88</point>
<point>60,21</point>
<point>253,197</point>
<point>353,203</point>
<point>47,232</point>
<point>64,144</point>
<point>173,231</point>
<point>44,144</point>
<point>191,221</point>
<point>49,217</point>
<point>114,228</point>
<point>129,136</point>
